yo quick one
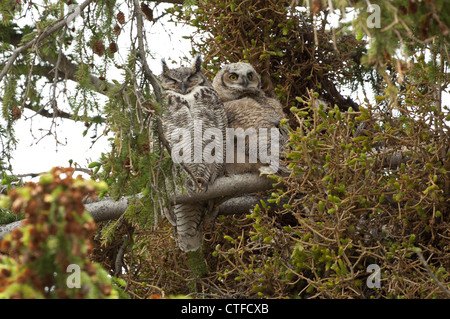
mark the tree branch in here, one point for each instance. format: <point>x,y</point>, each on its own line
<point>50,30</point>
<point>64,115</point>
<point>243,204</point>
<point>148,73</point>
<point>6,229</point>
<point>430,273</point>
<point>69,70</point>
<point>227,186</point>
<point>169,1</point>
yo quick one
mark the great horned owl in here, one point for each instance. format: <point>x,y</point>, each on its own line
<point>194,124</point>
<point>248,107</point>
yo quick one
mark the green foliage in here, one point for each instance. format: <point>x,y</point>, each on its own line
<point>400,22</point>
<point>280,42</point>
<point>136,160</point>
<point>197,263</point>
<point>342,208</point>
<point>350,205</point>
<point>31,82</point>
<point>8,9</point>
<point>369,180</point>
<point>136,163</point>
<point>7,217</point>
<point>39,257</point>
<point>361,203</point>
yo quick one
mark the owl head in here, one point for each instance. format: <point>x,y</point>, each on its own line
<point>236,80</point>
<point>183,80</point>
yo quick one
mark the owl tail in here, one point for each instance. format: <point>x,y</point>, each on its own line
<point>189,225</point>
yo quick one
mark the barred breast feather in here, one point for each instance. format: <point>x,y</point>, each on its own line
<point>194,125</point>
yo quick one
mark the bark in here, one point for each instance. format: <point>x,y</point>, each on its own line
<point>68,70</point>
<point>47,32</point>
<point>224,187</point>
<point>229,186</point>
<point>148,73</point>
<point>243,204</point>
<point>6,229</point>
<point>52,29</point>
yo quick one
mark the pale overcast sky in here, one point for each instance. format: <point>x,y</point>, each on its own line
<point>164,40</point>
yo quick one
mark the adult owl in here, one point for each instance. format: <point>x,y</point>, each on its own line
<point>194,123</point>
<point>250,109</point>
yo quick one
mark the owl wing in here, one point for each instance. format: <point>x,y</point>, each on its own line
<point>250,112</point>
<point>185,119</point>
<point>212,113</point>
<point>275,115</point>
<point>177,115</point>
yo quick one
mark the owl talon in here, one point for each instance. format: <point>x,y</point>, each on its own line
<point>203,184</point>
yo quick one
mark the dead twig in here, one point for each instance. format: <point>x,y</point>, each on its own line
<point>431,274</point>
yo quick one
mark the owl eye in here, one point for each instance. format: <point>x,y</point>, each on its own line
<point>233,76</point>
<point>250,76</point>
<point>193,77</point>
<point>170,81</point>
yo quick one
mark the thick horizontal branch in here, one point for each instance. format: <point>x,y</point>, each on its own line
<point>108,208</point>
<point>6,229</point>
<point>229,186</point>
<point>243,204</point>
<point>224,187</point>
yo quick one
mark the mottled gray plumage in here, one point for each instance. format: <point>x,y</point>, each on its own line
<point>194,107</point>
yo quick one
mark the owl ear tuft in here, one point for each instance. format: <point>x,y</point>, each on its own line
<point>165,68</point>
<point>197,64</point>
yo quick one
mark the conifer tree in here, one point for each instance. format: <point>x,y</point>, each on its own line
<point>369,183</point>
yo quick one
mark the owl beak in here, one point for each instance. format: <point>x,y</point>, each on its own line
<point>244,79</point>
<point>183,87</point>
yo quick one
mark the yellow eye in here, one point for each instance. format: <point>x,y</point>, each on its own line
<point>250,77</point>
<point>233,77</point>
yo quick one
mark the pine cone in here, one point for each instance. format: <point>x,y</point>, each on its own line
<point>99,48</point>
<point>149,106</point>
<point>113,47</point>
<point>16,113</point>
<point>147,11</point>
<point>121,17</point>
<point>316,6</point>
<point>146,148</point>
<point>127,164</point>
<point>116,30</point>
